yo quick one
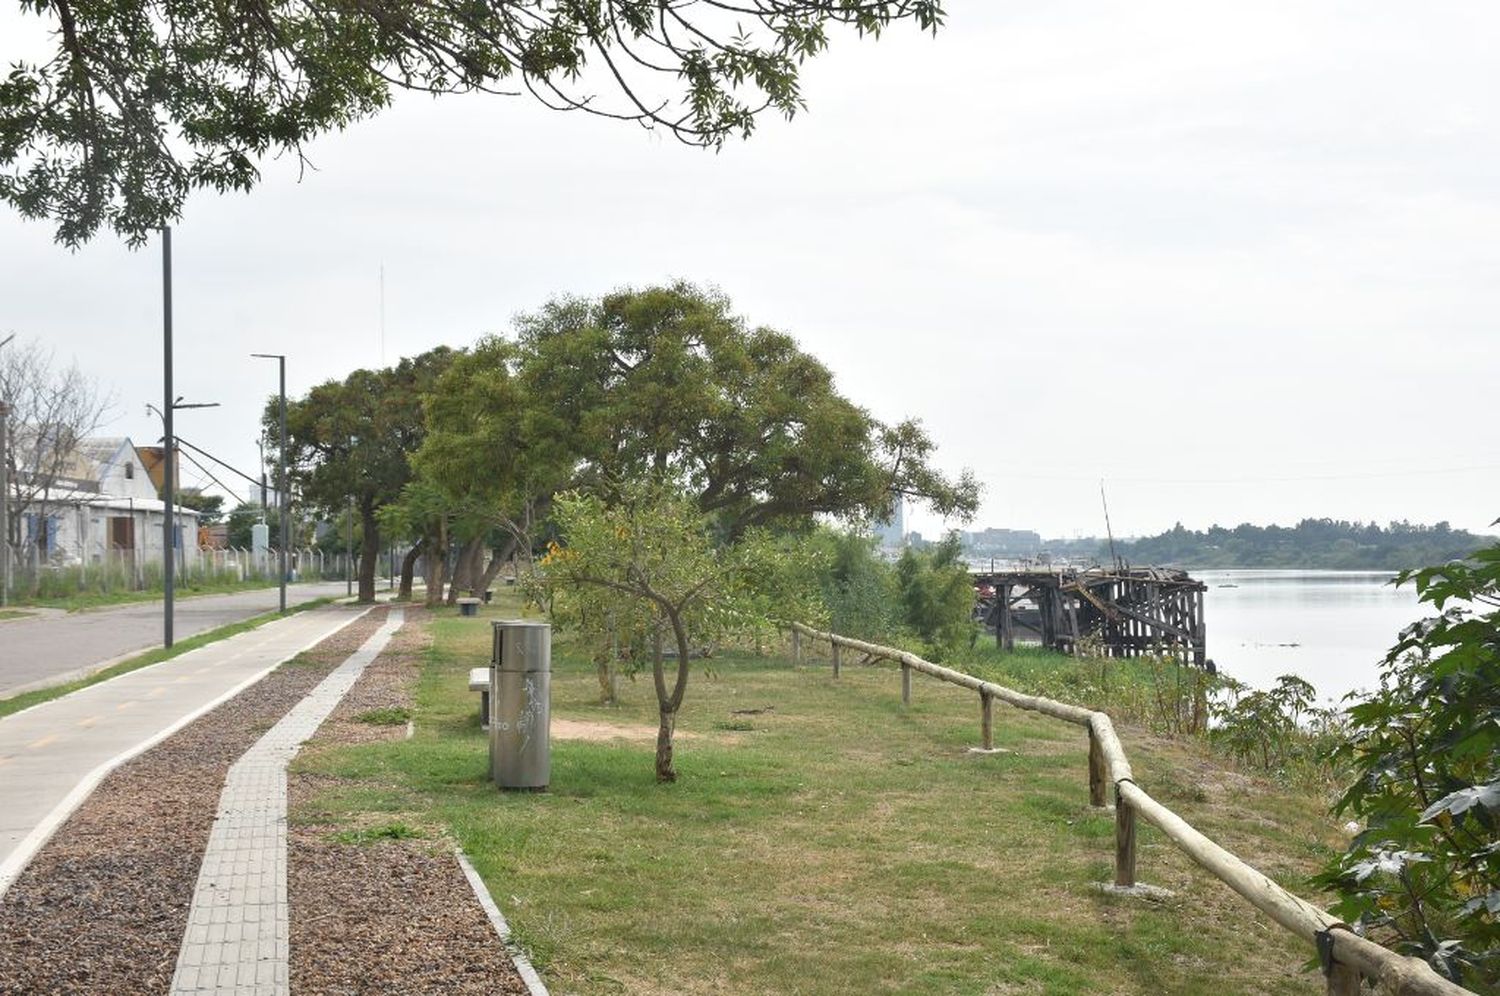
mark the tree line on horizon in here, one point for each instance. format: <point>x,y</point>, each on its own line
<point>1329,544</point>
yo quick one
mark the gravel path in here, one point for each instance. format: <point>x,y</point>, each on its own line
<point>103,907</point>
<point>392,916</point>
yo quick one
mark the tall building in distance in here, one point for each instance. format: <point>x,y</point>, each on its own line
<point>892,532</point>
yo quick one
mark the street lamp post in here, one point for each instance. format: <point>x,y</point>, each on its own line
<point>169,512</point>
<point>282,498</point>
<point>5,494</point>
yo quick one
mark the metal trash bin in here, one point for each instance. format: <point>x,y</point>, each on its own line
<point>520,704</point>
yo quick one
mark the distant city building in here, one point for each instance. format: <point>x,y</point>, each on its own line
<point>892,532</point>
<point>993,542</point>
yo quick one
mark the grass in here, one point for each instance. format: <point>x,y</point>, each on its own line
<point>394,716</point>
<point>837,844</point>
<point>26,700</point>
<point>84,600</point>
<point>372,835</point>
<point>14,613</point>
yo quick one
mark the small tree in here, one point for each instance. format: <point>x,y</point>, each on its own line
<point>937,595</point>
<point>1426,756</point>
<point>653,551</point>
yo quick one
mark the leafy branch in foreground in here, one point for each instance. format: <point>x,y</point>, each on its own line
<point>1425,871</point>
<point>141,101</point>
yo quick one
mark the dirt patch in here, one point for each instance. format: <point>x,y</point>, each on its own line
<point>584,729</point>
<point>376,909</point>
<point>103,907</point>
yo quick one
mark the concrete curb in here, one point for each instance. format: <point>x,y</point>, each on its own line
<point>534,984</point>
<point>16,862</point>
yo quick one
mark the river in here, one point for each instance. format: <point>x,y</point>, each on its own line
<point>1332,628</point>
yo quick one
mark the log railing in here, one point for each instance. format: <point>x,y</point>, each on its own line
<point>1345,956</point>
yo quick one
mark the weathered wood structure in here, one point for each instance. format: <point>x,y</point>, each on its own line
<point>1131,611</point>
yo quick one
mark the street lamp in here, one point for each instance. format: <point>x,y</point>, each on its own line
<point>5,494</point>
<point>169,474</point>
<point>281,488</point>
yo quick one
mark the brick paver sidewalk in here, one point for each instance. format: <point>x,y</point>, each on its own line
<point>238,927</point>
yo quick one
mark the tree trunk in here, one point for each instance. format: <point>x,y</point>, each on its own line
<point>664,770</point>
<point>437,560</point>
<point>498,559</point>
<point>464,569</point>
<point>408,567</point>
<point>369,552</point>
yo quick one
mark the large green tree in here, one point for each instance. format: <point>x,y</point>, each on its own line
<point>669,382</point>
<point>141,101</point>
<point>351,438</point>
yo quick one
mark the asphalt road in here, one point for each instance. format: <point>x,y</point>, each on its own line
<point>55,648</point>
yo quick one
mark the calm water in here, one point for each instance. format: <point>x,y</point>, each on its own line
<point>1331,628</point>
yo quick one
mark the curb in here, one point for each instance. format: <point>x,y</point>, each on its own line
<point>534,984</point>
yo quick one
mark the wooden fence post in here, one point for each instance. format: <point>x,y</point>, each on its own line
<point>905,684</point>
<point>796,648</point>
<point>835,660</point>
<point>1343,980</point>
<point>987,720</point>
<point>1124,842</point>
<point>1098,778</point>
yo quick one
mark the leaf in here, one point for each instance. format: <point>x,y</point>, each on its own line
<point>1460,802</point>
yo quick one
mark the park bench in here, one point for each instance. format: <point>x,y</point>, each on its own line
<point>468,606</point>
<point>479,681</point>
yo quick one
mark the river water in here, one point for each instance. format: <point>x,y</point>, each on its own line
<point>1331,628</point>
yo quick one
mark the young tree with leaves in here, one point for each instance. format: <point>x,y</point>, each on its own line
<point>651,557</point>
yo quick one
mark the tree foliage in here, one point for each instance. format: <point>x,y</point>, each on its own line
<point>648,560</point>
<point>141,101</point>
<point>668,382</point>
<point>937,596</point>
<point>1426,752</point>
<point>351,437</point>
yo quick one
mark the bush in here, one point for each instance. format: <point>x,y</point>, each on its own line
<point>1425,749</point>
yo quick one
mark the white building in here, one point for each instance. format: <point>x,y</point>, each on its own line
<point>103,506</point>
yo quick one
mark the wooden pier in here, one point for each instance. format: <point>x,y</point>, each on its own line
<point>1131,611</point>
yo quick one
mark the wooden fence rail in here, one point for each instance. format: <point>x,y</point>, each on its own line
<point>1346,957</point>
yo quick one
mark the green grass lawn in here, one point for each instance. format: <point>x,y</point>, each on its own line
<point>838,844</point>
<point>76,601</point>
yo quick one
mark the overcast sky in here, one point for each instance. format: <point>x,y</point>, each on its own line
<point>1238,260</point>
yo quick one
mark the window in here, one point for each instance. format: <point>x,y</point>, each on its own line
<point>129,471</point>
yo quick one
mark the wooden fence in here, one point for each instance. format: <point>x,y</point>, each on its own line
<point>1345,956</point>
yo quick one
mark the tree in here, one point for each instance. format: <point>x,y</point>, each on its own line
<point>143,101</point>
<point>668,382</point>
<point>937,595</point>
<point>210,508</point>
<point>1425,751</point>
<point>52,409</point>
<point>351,438</point>
<point>654,550</point>
<point>494,455</point>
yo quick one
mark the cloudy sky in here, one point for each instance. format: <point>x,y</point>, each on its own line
<point>1238,260</point>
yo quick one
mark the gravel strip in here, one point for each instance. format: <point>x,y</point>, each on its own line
<point>391,916</point>
<point>103,906</point>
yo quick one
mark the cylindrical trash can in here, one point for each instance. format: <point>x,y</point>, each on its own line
<point>520,704</point>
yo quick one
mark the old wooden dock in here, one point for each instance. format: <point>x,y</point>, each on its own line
<point>1131,611</point>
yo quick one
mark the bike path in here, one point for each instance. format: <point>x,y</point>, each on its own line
<point>54,754</point>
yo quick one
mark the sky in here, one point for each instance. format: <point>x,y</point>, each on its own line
<point>1237,261</point>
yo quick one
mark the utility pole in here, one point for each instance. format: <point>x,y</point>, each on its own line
<point>168,464</point>
<point>5,494</point>
<point>282,497</point>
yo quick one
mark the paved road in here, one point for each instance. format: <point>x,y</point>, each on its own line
<point>55,648</point>
<point>52,755</point>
